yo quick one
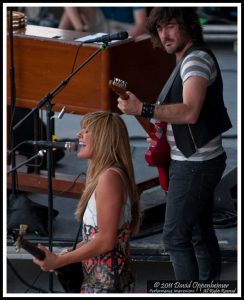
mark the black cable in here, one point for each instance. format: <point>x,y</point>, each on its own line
<point>25,162</point>
<point>69,187</point>
<point>30,286</point>
<point>33,282</point>
<point>16,147</point>
<point>77,51</point>
<point>36,165</point>
<point>22,280</point>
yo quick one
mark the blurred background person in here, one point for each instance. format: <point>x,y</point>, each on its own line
<point>88,19</point>
<point>130,19</point>
<point>105,19</point>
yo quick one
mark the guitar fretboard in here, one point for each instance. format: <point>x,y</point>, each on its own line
<point>33,250</point>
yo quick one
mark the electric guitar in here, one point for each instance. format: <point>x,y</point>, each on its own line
<point>70,276</point>
<point>158,153</point>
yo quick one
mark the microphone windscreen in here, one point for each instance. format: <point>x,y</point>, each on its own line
<point>123,35</point>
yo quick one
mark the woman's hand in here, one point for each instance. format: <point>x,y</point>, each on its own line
<point>49,263</point>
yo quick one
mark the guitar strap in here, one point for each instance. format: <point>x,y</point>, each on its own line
<point>78,232</point>
<point>171,79</point>
<point>168,84</point>
<point>77,235</point>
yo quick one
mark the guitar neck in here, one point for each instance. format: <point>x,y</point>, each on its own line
<point>33,250</point>
<point>147,125</point>
<point>121,92</point>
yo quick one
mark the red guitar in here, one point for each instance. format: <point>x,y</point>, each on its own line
<point>158,153</point>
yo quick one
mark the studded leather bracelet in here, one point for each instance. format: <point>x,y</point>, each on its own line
<point>148,110</point>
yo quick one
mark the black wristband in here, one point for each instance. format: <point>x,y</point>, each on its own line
<point>147,110</point>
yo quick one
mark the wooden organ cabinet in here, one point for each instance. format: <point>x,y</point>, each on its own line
<point>44,56</point>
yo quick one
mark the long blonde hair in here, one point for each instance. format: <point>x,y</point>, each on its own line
<point>111,149</point>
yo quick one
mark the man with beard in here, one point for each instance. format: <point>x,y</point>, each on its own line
<point>196,117</point>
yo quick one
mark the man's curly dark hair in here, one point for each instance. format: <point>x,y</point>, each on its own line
<point>186,17</point>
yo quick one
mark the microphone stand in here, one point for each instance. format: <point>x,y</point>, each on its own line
<point>15,196</point>
<point>40,153</point>
<point>13,158</point>
<point>46,100</point>
<point>51,95</point>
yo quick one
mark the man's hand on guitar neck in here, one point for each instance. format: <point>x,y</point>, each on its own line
<point>130,106</point>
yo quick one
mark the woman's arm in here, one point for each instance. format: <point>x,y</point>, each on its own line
<point>109,200</point>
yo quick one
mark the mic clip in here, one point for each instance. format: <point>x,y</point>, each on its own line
<point>60,115</point>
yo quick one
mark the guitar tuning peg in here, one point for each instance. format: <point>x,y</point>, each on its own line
<point>121,83</point>
<point>17,246</point>
<point>23,228</point>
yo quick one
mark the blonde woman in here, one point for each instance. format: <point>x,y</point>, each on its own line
<point>109,207</point>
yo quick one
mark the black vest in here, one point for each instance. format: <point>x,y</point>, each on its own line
<point>213,119</point>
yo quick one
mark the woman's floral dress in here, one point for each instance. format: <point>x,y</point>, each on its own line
<point>112,271</point>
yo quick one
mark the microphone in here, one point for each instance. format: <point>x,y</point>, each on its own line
<point>109,37</point>
<point>69,146</point>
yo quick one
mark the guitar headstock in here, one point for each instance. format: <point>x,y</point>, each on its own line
<point>119,86</point>
<point>20,236</point>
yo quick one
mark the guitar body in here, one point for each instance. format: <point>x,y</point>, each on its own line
<point>158,153</point>
<point>70,276</point>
